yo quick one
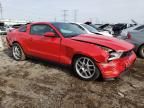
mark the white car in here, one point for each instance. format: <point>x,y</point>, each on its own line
<point>91,30</point>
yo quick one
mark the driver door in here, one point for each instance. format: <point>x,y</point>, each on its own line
<point>44,47</point>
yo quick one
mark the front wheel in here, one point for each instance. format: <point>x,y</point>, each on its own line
<point>141,51</point>
<point>86,69</point>
<point>17,52</point>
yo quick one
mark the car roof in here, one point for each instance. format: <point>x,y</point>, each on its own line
<point>133,28</point>
<point>47,22</point>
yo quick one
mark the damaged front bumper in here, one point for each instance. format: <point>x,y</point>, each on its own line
<point>115,68</point>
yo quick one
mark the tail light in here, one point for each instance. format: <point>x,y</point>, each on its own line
<point>128,36</point>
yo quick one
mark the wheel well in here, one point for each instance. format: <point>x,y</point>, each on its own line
<point>79,55</point>
<point>76,56</point>
<point>15,42</point>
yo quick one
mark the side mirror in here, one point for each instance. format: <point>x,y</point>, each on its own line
<point>49,34</point>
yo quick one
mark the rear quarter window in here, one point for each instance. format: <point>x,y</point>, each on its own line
<point>22,29</point>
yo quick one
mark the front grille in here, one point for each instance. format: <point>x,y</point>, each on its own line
<point>125,54</point>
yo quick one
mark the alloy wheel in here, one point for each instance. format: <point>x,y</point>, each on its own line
<point>16,52</point>
<point>85,67</point>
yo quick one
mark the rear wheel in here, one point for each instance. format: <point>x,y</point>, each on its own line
<point>85,68</point>
<point>141,51</point>
<point>17,52</point>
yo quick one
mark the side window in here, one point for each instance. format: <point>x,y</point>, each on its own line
<point>40,29</point>
<point>23,28</point>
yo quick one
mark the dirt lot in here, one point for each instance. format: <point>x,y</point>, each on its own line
<point>39,84</point>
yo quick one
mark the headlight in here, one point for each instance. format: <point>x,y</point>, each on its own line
<point>107,49</point>
<point>115,55</point>
<point>112,54</point>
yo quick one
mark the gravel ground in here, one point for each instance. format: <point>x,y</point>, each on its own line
<point>38,84</point>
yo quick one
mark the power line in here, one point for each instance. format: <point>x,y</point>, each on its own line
<point>55,19</point>
<point>75,15</point>
<point>65,15</point>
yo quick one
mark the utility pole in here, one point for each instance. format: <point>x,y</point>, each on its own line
<point>75,15</point>
<point>1,10</point>
<point>65,15</point>
<point>55,19</point>
<point>90,19</point>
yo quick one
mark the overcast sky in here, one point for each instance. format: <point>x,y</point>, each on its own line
<point>95,10</point>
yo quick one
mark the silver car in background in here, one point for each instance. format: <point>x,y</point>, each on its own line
<point>90,30</point>
<point>137,38</point>
<point>125,32</point>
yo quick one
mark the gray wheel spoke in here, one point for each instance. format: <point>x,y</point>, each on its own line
<point>90,67</point>
<point>88,72</point>
<point>79,65</point>
<point>84,61</point>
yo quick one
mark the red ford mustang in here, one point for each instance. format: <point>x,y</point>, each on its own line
<point>91,56</point>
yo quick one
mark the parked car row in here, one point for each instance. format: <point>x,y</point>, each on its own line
<point>114,29</point>
<point>90,55</point>
<point>6,28</point>
<point>132,33</point>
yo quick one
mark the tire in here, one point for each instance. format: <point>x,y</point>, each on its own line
<point>141,51</point>
<point>17,52</point>
<point>85,69</point>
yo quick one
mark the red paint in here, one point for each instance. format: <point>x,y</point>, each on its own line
<point>116,67</point>
<point>62,50</point>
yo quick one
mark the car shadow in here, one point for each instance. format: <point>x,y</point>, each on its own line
<point>64,68</point>
<point>7,51</point>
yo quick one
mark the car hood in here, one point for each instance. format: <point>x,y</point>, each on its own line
<point>110,42</point>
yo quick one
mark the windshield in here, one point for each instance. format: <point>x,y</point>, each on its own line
<point>69,30</point>
<point>91,29</point>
